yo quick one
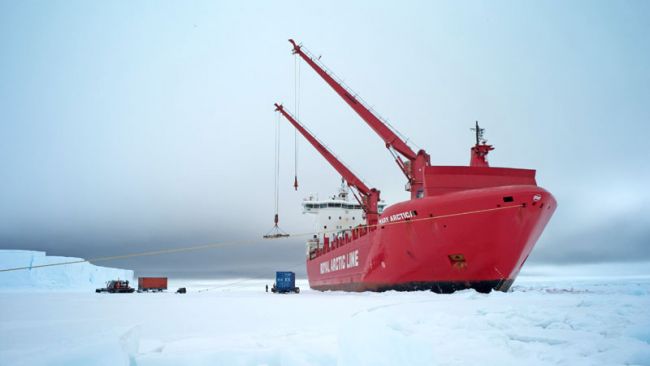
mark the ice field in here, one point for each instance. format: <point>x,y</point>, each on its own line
<point>580,315</point>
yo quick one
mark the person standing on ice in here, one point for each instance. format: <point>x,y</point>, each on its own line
<point>267,288</point>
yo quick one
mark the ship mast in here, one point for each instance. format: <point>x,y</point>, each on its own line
<point>369,196</point>
<point>480,151</point>
<point>413,167</point>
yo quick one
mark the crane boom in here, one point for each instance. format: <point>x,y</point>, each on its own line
<point>370,196</point>
<point>390,138</point>
<point>416,161</point>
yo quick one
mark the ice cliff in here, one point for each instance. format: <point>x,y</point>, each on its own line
<point>77,277</point>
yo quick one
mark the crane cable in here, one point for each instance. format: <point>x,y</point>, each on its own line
<point>277,169</point>
<point>275,231</point>
<point>296,91</point>
<point>256,241</point>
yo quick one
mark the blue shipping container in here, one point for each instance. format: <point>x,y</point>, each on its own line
<point>285,280</point>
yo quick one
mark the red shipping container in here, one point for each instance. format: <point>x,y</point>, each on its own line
<point>152,283</point>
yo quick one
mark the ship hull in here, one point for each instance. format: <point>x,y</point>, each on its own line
<point>477,238</point>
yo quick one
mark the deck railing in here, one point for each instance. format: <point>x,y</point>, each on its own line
<point>348,237</point>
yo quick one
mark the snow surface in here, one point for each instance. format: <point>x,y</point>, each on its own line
<point>573,319</point>
<point>78,276</point>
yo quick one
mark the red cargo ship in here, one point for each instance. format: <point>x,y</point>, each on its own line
<point>463,227</point>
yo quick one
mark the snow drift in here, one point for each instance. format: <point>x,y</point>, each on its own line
<point>76,277</point>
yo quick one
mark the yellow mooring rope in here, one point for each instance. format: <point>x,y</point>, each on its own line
<point>250,241</point>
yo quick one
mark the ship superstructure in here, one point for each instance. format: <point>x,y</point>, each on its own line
<point>336,215</point>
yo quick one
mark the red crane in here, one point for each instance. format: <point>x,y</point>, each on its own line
<point>413,168</point>
<point>369,196</point>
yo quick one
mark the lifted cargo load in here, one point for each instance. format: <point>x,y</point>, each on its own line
<point>285,282</point>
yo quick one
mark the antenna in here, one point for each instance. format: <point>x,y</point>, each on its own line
<point>479,134</point>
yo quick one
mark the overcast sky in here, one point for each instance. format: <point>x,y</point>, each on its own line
<point>131,126</point>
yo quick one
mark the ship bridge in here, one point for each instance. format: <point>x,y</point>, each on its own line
<point>334,215</point>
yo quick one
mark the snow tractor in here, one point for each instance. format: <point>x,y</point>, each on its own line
<point>116,286</point>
